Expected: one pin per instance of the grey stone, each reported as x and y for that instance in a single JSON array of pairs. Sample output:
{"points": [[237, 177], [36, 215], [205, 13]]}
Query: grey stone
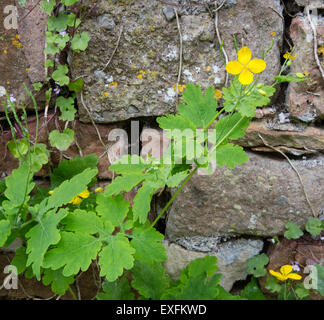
{"points": [[150, 43], [168, 12], [231, 259], [256, 198], [310, 3], [106, 21]]}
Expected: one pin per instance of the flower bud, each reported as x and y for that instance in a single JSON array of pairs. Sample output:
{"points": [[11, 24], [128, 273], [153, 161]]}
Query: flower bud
{"points": [[260, 85], [300, 75], [262, 92]]}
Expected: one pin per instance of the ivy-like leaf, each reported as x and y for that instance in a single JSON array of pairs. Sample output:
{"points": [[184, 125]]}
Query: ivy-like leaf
{"points": [[314, 226], [59, 283], [61, 141], [60, 76], [41, 236], [80, 42], [272, 285], [148, 246], [256, 265], [76, 85], [293, 231], [48, 6], [115, 257], [66, 106], [151, 281]]}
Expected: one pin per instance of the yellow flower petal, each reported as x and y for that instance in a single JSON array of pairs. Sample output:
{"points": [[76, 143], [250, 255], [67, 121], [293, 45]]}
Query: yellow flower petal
{"points": [[278, 275], [286, 269], [244, 55], [76, 200], [294, 276], [246, 77], [234, 67], [50, 192], [85, 194], [256, 65]]}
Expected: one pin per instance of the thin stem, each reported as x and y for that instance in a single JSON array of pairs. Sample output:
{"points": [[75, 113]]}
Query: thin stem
{"points": [[173, 197], [72, 293], [212, 120]]}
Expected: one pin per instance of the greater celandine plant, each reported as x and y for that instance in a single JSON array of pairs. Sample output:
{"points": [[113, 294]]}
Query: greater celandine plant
{"points": [[66, 227]]}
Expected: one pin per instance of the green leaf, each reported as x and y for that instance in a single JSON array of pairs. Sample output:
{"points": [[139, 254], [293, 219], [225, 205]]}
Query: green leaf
{"points": [[49, 63], [142, 202], [301, 292], [76, 85], [175, 122], [41, 236], [5, 231], [60, 76], [256, 265], [225, 127], [20, 260], [293, 231], [82, 221], [230, 155], [59, 283], [74, 252], [147, 243], [176, 179], [38, 157], [150, 280], [117, 290], [67, 169], [19, 185], [289, 78], [252, 291], [123, 183], [116, 257], [80, 42], [317, 276], [66, 106], [58, 23], [68, 190], [129, 164], [198, 288], [314, 226], [48, 6], [18, 148], [272, 285], [112, 209], [61, 141], [69, 2], [201, 266]]}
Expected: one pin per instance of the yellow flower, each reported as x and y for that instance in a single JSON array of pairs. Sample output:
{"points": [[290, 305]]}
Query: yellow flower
{"points": [[106, 94], [27, 69], [245, 67], [5, 51], [273, 34], [113, 84], [98, 190], [320, 50], [140, 76], [85, 194], [180, 87], [285, 273], [50, 192], [306, 73], [217, 94], [17, 36], [288, 55], [76, 200]]}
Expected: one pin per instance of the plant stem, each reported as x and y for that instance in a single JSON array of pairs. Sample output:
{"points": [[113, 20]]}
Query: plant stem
{"points": [[173, 197], [72, 293], [212, 120]]}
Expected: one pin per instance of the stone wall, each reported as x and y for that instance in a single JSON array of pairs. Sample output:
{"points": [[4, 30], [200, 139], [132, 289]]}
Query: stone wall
{"points": [[141, 41]]}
